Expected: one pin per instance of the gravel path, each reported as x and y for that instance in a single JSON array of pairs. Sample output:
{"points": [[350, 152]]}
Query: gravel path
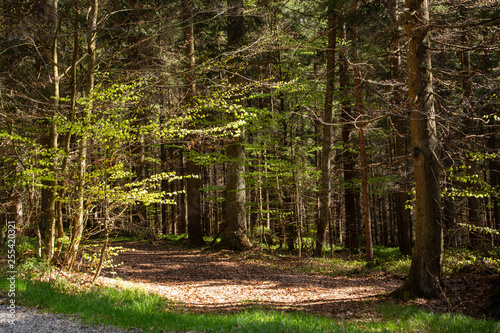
{"points": [[29, 320]]}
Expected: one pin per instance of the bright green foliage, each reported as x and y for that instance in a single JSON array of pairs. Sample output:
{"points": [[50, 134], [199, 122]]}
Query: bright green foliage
{"points": [[92, 255], [471, 185]]}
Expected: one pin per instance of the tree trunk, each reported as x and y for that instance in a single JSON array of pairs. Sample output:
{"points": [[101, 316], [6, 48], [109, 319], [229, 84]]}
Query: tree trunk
{"points": [[424, 278], [78, 221], [194, 226], [139, 215], [326, 153], [234, 235], [67, 141], [49, 191]]}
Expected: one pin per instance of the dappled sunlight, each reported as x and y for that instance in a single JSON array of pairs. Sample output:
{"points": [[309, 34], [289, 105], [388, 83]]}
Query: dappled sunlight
{"points": [[206, 281]]}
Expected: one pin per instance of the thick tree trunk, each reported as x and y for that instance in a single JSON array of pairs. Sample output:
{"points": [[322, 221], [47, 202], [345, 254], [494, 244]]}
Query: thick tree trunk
{"points": [[424, 278], [326, 153], [234, 235]]}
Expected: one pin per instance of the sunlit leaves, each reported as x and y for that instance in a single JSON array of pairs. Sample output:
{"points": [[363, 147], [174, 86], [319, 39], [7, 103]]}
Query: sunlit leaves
{"points": [[467, 184]]}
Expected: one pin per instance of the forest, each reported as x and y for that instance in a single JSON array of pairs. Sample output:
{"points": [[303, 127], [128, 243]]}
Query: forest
{"points": [[314, 130]]}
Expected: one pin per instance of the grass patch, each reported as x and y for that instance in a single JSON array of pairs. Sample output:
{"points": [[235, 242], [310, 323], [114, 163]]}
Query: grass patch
{"points": [[129, 307], [395, 318]]}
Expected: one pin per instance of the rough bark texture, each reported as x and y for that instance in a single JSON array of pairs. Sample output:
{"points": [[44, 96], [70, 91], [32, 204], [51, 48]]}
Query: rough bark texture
{"points": [[234, 235], [326, 153], [424, 278]]}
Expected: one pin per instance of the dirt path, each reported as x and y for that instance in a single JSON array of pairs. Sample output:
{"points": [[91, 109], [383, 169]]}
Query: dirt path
{"points": [[218, 282]]}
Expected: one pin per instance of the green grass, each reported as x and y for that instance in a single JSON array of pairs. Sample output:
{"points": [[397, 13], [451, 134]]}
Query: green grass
{"points": [[135, 308], [152, 313], [413, 319]]}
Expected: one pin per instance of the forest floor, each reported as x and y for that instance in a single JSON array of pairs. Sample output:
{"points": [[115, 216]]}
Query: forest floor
{"points": [[222, 282]]}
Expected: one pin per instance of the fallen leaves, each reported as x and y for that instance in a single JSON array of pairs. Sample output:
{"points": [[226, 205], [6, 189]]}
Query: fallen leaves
{"points": [[214, 282], [218, 282]]}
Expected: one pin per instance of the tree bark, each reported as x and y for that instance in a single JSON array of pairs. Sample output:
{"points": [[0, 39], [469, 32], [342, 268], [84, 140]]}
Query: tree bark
{"points": [[234, 235], [424, 278], [194, 226], [49, 192]]}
